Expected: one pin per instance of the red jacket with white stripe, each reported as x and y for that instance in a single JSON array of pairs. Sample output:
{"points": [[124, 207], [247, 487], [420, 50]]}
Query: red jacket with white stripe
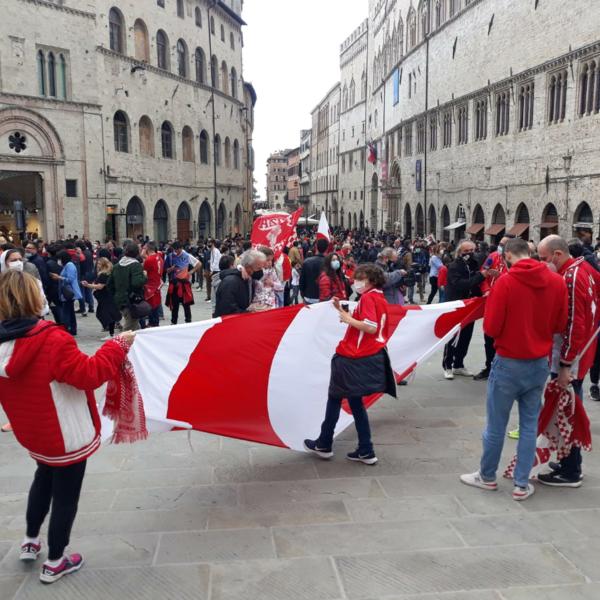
{"points": [[47, 391]]}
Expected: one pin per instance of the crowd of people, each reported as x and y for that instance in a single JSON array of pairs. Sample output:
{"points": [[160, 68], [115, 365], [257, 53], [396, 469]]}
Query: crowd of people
{"points": [[540, 320]]}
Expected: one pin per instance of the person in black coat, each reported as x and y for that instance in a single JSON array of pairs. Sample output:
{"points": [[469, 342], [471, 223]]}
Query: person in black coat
{"points": [[235, 292], [311, 271], [464, 281]]}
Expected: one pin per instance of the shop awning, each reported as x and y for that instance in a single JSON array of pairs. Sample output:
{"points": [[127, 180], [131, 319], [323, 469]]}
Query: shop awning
{"points": [[495, 229], [548, 225], [456, 225], [518, 229], [475, 228]]}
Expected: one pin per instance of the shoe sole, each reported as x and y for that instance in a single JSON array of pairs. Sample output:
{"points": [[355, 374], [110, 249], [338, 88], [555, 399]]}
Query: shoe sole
{"points": [[47, 579], [365, 461], [323, 455], [478, 486], [523, 497], [570, 484], [28, 557]]}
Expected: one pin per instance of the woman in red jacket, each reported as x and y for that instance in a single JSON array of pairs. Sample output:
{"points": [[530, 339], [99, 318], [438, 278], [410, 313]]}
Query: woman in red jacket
{"points": [[47, 390], [331, 281]]}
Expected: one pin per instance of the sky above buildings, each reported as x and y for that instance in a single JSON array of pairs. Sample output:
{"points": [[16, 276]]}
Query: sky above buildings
{"points": [[291, 56]]}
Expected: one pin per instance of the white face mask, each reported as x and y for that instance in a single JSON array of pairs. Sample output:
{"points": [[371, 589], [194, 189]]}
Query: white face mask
{"points": [[359, 286], [16, 265]]}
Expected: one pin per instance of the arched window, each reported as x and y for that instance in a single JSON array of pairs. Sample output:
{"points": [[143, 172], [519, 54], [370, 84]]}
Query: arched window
{"points": [[227, 153], [423, 19], [352, 93], [200, 61], [203, 147], [345, 98], [187, 142], [184, 216], [232, 40], [439, 13], [146, 132], [453, 7], [234, 82], [584, 214], [411, 25], [182, 58], [217, 150], [134, 216], [198, 16], [121, 132], [526, 97], [62, 76], [212, 25], [166, 136], [589, 89], [363, 86], [204, 219], [41, 72], [161, 221], [116, 30], [51, 75], [236, 154], [222, 33], [180, 9], [214, 72], [162, 50], [225, 77], [142, 46]]}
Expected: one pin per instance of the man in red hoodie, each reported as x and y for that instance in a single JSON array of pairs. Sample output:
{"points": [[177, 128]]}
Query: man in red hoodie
{"points": [[569, 363], [525, 309]]}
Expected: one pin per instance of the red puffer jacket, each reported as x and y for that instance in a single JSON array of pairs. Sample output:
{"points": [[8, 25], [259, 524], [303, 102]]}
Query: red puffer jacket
{"points": [[47, 391], [328, 288]]}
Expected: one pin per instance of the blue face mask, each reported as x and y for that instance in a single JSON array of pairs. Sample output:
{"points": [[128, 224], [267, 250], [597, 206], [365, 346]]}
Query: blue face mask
{"points": [[335, 265]]}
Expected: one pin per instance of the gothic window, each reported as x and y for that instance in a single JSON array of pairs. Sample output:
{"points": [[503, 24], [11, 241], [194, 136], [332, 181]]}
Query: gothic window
{"points": [[589, 88], [160, 3], [227, 153], [214, 72], [453, 7], [481, 115], [187, 143], [439, 13], [433, 135], [51, 75], [142, 46], [41, 71], [526, 98], [447, 131], [146, 132], [503, 113], [180, 9], [232, 40], [212, 25], [182, 58], [62, 76], [222, 33], [225, 77], [204, 147], [408, 139], [423, 19], [345, 98], [363, 86], [557, 97], [121, 132], [236, 154], [411, 24], [234, 82], [162, 50], [463, 124], [166, 134], [217, 150], [200, 61], [420, 137], [198, 16], [116, 30]]}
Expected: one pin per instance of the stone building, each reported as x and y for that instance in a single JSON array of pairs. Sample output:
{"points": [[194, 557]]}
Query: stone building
{"points": [[277, 179], [484, 115], [293, 178], [120, 119], [305, 144], [324, 154]]}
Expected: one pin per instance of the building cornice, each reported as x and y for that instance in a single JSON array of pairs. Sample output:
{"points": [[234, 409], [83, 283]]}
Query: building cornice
{"points": [[152, 69], [45, 102], [61, 7]]}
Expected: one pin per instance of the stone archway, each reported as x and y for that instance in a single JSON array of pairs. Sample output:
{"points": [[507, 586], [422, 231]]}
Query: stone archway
{"points": [[161, 221], [33, 159], [134, 218], [205, 220]]}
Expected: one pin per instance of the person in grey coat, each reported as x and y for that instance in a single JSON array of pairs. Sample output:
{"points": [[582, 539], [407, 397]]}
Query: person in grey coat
{"points": [[393, 279]]}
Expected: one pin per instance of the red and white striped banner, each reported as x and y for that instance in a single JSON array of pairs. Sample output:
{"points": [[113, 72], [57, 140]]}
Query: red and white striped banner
{"points": [[264, 377]]}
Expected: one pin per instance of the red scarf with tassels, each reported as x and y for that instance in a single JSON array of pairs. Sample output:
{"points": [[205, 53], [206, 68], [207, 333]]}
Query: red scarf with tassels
{"points": [[124, 404]]}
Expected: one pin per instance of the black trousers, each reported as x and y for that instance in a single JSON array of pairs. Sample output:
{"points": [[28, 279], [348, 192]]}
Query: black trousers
{"points": [[595, 370], [433, 281], [187, 309], [454, 356], [60, 486], [490, 351]]}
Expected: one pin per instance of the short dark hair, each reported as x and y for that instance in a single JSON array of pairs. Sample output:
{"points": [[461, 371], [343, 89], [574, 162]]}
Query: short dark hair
{"points": [[176, 245], [372, 273], [225, 262], [518, 247], [151, 246], [64, 257], [322, 245], [576, 248], [246, 246], [132, 250]]}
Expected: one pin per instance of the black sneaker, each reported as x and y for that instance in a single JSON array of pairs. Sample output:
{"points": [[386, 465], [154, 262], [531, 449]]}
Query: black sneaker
{"points": [[595, 392], [311, 446], [556, 479], [367, 459], [482, 375], [557, 468], [91, 311]]}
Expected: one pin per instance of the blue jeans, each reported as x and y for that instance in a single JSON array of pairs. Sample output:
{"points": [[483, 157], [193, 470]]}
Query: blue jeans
{"points": [[511, 379], [361, 421]]}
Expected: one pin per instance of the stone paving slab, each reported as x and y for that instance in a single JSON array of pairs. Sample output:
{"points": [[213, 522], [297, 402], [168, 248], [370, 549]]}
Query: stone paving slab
{"points": [[571, 592], [9, 585]]}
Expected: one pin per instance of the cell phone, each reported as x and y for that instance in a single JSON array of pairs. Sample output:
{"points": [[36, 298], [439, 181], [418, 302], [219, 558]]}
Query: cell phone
{"points": [[345, 306], [488, 263]]}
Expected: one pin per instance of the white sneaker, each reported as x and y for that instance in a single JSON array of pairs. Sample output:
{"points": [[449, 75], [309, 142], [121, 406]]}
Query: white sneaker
{"points": [[448, 374], [462, 372], [520, 493], [474, 480]]}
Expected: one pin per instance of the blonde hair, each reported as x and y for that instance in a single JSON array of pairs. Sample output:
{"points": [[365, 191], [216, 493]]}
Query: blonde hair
{"points": [[103, 265], [20, 296]]}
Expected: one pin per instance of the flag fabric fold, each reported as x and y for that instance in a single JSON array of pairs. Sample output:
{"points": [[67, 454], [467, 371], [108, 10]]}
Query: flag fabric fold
{"points": [[276, 230]]}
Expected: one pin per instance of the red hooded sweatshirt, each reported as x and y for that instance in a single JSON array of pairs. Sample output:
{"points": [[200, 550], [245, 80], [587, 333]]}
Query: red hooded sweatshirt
{"points": [[525, 308]]}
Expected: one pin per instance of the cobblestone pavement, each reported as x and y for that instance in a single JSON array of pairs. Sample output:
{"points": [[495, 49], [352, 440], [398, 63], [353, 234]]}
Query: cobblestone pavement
{"points": [[190, 515]]}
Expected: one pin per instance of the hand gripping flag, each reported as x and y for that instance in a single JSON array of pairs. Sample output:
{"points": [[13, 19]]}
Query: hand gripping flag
{"points": [[275, 231], [264, 377]]}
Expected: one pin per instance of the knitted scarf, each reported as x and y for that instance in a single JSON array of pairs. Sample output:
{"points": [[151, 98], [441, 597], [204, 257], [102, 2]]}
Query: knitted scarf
{"points": [[124, 404]]}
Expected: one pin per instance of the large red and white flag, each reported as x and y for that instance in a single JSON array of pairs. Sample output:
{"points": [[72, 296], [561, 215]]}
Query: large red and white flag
{"points": [[264, 377], [323, 231], [276, 230]]}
